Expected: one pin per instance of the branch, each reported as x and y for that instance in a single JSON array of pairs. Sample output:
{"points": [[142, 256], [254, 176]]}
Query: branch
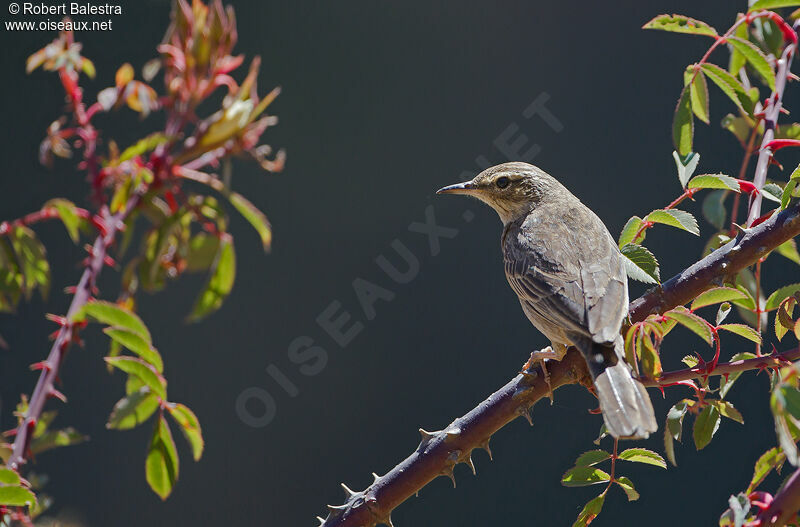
{"points": [[45, 386], [785, 505], [439, 452]]}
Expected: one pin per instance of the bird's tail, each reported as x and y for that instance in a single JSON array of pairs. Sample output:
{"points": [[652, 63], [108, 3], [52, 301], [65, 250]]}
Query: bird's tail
{"points": [[626, 407]]}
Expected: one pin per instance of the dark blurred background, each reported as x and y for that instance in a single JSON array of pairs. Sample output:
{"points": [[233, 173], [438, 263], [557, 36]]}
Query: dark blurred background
{"points": [[383, 103]]}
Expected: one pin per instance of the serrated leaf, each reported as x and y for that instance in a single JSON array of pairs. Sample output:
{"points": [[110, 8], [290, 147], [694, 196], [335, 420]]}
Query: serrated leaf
{"points": [[680, 24], [714, 210], [136, 343], [717, 295], [256, 218], [689, 320], [674, 218], [68, 214], [743, 331], [698, 93], [219, 284], [32, 259], [772, 4], [190, 427], [640, 264], [9, 477], [770, 460], [630, 229], [590, 511], [690, 361], [772, 192], [715, 181], [775, 299], [789, 250], [642, 455], [705, 426], [592, 457], [146, 144], [16, 497], [627, 486], [115, 315], [726, 409], [686, 166], [133, 410], [583, 476], [162, 466], [56, 438], [726, 383], [683, 124], [755, 57], [789, 192], [730, 86], [144, 371]]}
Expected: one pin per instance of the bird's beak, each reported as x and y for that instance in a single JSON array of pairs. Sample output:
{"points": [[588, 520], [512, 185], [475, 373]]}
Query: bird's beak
{"points": [[459, 188]]}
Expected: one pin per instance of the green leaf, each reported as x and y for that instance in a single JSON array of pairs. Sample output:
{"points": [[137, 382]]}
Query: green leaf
{"points": [[770, 460], [143, 145], [743, 331], [592, 457], [778, 296], [254, 216], [219, 283], [190, 427], [680, 24], [683, 124], [143, 371], [16, 497], [627, 486], [640, 264], [772, 192], [32, 260], [68, 213], [689, 320], [133, 410], [714, 210], [698, 93], [690, 360], [723, 312], [737, 60], [651, 361], [115, 315], [629, 231], [729, 86], [686, 166], [705, 426], [740, 127], [772, 4], [726, 383], [789, 250], [162, 466], [136, 343], [675, 218], [590, 511], [642, 455], [57, 438], [583, 476], [716, 295], [726, 409], [789, 191], [203, 249], [9, 477], [715, 181], [756, 58]]}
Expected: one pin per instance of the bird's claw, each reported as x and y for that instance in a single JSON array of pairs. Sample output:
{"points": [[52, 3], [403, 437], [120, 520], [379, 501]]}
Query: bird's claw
{"points": [[541, 357]]}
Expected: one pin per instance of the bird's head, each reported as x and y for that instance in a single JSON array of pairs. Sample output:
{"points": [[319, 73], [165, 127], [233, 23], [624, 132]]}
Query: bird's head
{"points": [[511, 189]]}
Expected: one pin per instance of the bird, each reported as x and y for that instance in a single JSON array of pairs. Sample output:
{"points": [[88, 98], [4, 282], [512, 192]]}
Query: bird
{"points": [[569, 276]]}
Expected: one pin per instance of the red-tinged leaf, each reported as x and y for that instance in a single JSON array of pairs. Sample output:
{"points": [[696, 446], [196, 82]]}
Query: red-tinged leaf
{"points": [[124, 75], [627, 485], [689, 320], [16, 497], [162, 466], [190, 427], [726, 409], [755, 57], [590, 511], [680, 24], [144, 371], [698, 92], [705, 426], [136, 343], [743, 331], [777, 144], [114, 315], [770, 460], [730, 86], [642, 455]]}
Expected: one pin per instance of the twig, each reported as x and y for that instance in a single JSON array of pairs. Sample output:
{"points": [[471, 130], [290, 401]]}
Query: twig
{"points": [[439, 452]]}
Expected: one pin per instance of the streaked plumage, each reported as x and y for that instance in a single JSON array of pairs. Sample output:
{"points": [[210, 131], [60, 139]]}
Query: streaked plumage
{"points": [[568, 274]]}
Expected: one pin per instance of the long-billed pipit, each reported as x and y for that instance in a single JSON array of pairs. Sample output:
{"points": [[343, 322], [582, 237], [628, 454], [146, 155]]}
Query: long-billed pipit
{"points": [[569, 276]]}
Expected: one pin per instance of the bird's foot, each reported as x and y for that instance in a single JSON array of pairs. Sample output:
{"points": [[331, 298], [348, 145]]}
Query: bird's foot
{"points": [[541, 357]]}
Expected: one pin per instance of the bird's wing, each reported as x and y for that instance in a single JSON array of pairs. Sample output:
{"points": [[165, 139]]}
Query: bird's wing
{"points": [[566, 267]]}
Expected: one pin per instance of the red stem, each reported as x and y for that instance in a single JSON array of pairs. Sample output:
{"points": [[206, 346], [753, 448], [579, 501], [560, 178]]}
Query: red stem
{"points": [[46, 213]]}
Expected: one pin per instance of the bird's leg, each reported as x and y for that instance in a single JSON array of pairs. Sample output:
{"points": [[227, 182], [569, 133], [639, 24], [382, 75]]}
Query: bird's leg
{"points": [[555, 352]]}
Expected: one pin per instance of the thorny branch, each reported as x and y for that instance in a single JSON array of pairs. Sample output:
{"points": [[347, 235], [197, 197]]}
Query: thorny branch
{"points": [[439, 452]]}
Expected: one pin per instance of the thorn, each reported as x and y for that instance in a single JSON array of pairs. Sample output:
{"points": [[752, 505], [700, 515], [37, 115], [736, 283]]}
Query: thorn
{"points": [[792, 76], [450, 474], [109, 261], [41, 365], [470, 464], [485, 445], [740, 232], [526, 413], [375, 478], [349, 493], [452, 433], [57, 395], [337, 510], [427, 437], [70, 290], [387, 521], [61, 321], [321, 521]]}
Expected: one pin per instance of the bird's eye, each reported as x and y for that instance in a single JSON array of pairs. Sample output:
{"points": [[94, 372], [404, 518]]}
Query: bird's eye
{"points": [[502, 182]]}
